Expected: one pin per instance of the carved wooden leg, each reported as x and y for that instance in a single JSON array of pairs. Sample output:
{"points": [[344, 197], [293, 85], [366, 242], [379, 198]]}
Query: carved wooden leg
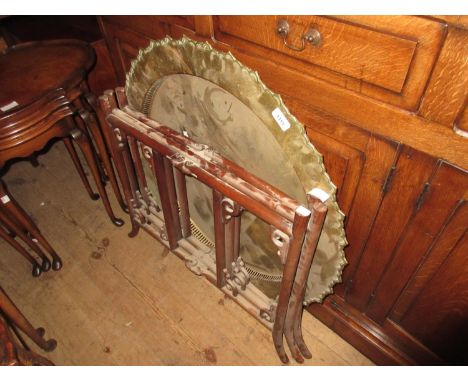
{"points": [[12, 225], [299, 228], [36, 271], [81, 137], [220, 245], [17, 318], [79, 168], [162, 169]]}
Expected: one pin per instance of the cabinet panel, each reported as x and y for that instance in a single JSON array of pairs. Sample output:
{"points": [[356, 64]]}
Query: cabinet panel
{"points": [[439, 315], [438, 199], [448, 88], [444, 244]]}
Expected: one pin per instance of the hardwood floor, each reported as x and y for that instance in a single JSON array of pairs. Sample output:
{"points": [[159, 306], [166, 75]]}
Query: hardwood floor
{"points": [[122, 301]]}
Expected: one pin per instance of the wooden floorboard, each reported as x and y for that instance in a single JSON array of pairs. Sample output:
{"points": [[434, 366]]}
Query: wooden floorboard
{"points": [[122, 301]]}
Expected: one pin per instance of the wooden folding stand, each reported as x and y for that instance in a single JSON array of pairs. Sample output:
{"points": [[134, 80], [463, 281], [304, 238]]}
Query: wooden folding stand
{"points": [[295, 229]]}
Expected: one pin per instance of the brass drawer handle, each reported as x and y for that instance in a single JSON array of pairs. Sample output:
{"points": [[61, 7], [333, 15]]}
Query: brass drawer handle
{"points": [[312, 36]]}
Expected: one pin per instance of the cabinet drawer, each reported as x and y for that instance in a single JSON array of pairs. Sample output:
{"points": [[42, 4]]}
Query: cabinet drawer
{"points": [[390, 61]]}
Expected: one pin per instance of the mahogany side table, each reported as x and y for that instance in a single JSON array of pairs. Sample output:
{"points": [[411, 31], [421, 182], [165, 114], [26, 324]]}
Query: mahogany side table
{"points": [[44, 96]]}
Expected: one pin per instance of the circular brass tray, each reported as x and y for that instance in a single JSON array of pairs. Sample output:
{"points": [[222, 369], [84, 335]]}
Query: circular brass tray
{"points": [[214, 99]]}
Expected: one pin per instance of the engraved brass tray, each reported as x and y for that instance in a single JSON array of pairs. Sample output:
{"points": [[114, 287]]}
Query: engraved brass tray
{"points": [[214, 99]]}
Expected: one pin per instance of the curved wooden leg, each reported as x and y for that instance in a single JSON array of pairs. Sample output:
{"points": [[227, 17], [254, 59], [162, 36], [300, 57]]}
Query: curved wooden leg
{"points": [[82, 139], [13, 225], [36, 271], [99, 131], [79, 168], [14, 315], [298, 334], [14, 209], [101, 146], [118, 152]]}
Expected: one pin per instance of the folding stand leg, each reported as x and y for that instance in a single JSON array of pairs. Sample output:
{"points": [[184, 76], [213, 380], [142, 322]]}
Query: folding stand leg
{"points": [[293, 332], [163, 172], [301, 219]]}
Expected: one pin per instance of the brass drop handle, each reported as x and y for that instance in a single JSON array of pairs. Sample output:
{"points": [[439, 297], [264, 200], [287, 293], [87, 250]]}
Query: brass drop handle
{"points": [[312, 36]]}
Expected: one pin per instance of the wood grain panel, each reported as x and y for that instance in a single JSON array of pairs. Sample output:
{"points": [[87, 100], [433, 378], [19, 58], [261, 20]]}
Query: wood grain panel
{"points": [[445, 301], [460, 21], [413, 169], [372, 56], [448, 87], [204, 25], [440, 249], [445, 191]]}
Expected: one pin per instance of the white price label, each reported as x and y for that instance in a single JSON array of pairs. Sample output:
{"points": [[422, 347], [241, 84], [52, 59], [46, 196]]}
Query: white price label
{"points": [[281, 119], [5, 199], [9, 106], [319, 194]]}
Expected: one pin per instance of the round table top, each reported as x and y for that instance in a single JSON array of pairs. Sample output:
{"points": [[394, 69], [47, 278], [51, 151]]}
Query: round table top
{"points": [[29, 71]]}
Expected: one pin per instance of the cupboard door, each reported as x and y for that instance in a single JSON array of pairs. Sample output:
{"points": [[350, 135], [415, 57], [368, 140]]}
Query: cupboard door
{"points": [[438, 200], [413, 169], [438, 316]]}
